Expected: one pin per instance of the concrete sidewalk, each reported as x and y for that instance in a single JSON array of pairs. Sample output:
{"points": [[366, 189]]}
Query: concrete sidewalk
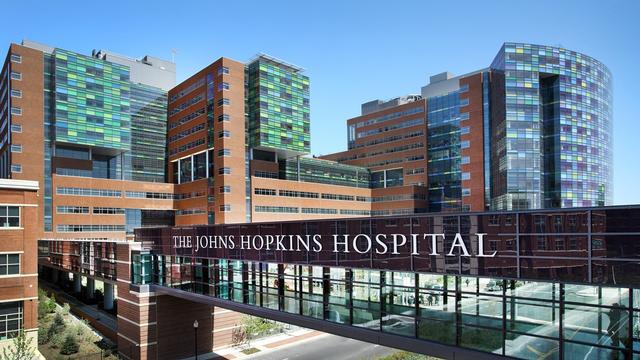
{"points": [[269, 343]]}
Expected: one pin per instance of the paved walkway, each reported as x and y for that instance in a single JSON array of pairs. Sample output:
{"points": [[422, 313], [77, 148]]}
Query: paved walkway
{"points": [[268, 343]]}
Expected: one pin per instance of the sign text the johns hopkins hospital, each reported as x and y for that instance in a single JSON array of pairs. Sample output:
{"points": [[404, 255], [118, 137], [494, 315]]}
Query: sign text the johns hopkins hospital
{"points": [[395, 244]]}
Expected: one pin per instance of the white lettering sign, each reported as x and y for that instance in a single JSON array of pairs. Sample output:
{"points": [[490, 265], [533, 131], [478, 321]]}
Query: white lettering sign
{"points": [[381, 244]]}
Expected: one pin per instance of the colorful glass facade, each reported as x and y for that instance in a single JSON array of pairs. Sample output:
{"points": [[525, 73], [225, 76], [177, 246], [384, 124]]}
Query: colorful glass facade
{"points": [[92, 101], [278, 106], [148, 130], [443, 150], [552, 138]]}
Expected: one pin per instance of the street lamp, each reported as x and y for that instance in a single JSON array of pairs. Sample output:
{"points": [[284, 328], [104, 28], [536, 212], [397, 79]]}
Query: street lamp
{"points": [[195, 328]]}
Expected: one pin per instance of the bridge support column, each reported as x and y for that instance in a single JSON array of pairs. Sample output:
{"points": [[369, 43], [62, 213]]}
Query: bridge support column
{"points": [[91, 288], [77, 283], [108, 296]]}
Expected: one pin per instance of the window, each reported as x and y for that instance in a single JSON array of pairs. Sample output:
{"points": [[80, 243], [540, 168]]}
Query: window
{"points": [[338, 197], [16, 168], [542, 243], [148, 195], [10, 319], [464, 144], [9, 216], [465, 160], [16, 128], [464, 130], [224, 134], [464, 116], [16, 75], [464, 88], [277, 209], [302, 194], [16, 148], [224, 189], [270, 192], [223, 117], [466, 176], [224, 102], [225, 207], [16, 111], [85, 228], [464, 102], [16, 58], [224, 171], [223, 70], [90, 192], [108, 211], [9, 265], [223, 86], [16, 93], [324, 211], [466, 192], [72, 209], [224, 152]]}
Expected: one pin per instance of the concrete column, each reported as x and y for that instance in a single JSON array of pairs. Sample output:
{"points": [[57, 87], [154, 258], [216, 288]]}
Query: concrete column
{"points": [[54, 276], [77, 283], [91, 287], [108, 296]]}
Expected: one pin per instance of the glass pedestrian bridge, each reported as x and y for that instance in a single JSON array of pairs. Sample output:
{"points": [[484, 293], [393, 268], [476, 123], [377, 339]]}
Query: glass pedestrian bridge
{"points": [[562, 284]]}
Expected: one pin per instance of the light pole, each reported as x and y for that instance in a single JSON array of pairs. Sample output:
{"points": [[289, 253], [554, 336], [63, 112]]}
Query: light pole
{"points": [[195, 328]]}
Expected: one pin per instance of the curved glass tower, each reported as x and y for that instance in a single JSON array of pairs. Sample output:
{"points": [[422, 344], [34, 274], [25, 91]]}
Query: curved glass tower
{"points": [[552, 129]]}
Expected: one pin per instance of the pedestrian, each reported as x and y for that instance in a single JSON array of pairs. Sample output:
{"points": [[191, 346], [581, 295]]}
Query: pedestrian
{"points": [[430, 299]]}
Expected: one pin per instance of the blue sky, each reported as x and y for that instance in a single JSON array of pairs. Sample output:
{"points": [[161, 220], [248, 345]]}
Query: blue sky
{"points": [[355, 51]]}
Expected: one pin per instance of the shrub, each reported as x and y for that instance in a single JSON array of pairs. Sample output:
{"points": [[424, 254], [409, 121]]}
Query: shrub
{"points": [[55, 340], [43, 338], [51, 304], [46, 305], [255, 327], [57, 326], [42, 295], [42, 309], [69, 346], [65, 309], [80, 329]]}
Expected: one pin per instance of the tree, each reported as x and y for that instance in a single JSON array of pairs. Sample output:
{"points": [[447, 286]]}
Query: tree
{"points": [[56, 327], [21, 349], [70, 345]]}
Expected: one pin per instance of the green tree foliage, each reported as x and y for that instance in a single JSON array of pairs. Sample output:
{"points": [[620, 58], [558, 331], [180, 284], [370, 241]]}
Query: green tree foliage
{"points": [[46, 305], [69, 346], [20, 349], [57, 326], [255, 327], [43, 338]]}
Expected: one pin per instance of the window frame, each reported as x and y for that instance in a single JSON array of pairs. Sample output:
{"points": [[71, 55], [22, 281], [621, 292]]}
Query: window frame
{"points": [[6, 265], [4, 219]]}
